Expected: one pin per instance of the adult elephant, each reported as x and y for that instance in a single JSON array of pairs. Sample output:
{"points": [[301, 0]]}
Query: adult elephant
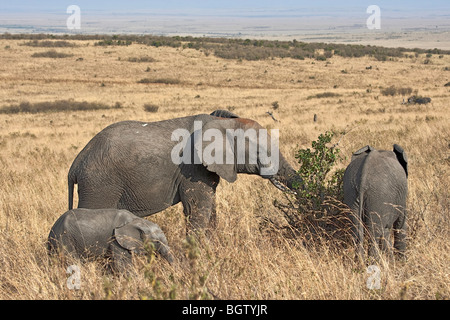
{"points": [[146, 167], [375, 189]]}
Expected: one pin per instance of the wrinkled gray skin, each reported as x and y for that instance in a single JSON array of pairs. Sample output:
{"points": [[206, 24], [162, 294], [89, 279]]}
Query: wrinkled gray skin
{"points": [[111, 233], [375, 189], [128, 166]]}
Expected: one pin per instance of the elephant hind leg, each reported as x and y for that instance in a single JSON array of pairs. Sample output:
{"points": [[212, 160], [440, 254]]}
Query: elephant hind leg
{"points": [[376, 235], [358, 236], [380, 242], [356, 214], [385, 241], [400, 236]]}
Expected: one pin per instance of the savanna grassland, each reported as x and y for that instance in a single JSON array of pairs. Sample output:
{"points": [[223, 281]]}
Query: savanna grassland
{"points": [[247, 257]]}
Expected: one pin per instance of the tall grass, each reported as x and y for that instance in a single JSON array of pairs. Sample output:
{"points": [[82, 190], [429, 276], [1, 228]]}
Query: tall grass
{"points": [[254, 253]]}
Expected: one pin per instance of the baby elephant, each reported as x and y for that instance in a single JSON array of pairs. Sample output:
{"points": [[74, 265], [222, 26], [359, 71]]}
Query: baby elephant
{"points": [[110, 233], [375, 189]]}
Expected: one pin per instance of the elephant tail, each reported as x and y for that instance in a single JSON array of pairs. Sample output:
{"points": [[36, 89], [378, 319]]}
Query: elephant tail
{"points": [[361, 216], [360, 225], [71, 183]]}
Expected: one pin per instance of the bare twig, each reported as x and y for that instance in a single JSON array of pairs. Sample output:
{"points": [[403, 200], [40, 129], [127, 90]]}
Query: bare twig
{"points": [[342, 136], [271, 114]]}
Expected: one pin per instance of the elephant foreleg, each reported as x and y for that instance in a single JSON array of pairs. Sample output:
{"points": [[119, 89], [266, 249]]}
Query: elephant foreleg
{"points": [[120, 258], [199, 205], [200, 214]]}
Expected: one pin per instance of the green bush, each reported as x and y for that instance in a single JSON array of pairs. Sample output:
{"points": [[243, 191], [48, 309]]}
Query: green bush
{"points": [[316, 211], [321, 58], [315, 165]]}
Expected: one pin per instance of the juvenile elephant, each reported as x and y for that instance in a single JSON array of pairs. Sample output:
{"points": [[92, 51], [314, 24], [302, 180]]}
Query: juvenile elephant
{"points": [[375, 189], [109, 233], [146, 167]]}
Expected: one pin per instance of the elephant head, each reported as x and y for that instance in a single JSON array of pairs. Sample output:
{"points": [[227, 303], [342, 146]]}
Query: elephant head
{"points": [[253, 149], [230, 146], [133, 236]]}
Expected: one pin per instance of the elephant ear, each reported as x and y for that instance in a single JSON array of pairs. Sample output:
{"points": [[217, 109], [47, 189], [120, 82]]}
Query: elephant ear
{"points": [[213, 149], [401, 157], [131, 236], [224, 114], [366, 149]]}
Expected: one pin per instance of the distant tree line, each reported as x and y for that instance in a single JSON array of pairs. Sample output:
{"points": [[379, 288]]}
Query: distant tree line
{"points": [[245, 49]]}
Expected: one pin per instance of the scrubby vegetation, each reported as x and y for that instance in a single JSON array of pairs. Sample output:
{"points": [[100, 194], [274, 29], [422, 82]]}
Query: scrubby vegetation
{"points": [[149, 107], [51, 54], [316, 211], [160, 80], [141, 59], [324, 95], [50, 44], [245, 49], [392, 91], [55, 106]]}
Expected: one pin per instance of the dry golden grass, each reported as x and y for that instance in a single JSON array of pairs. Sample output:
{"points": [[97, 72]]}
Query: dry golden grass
{"points": [[245, 259]]}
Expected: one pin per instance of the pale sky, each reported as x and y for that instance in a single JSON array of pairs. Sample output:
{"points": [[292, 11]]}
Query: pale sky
{"points": [[212, 7], [222, 18]]}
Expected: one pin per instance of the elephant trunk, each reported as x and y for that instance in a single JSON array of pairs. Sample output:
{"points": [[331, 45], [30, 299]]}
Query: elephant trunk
{"points": [[287, 178]]}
